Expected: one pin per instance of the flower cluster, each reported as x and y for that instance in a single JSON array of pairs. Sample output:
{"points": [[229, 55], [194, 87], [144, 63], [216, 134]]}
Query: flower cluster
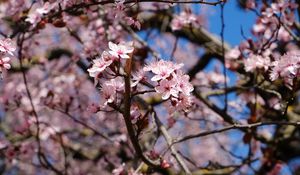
{"points": [[172, 83], [105, 63], [271, 18], [185, 18], [287, 67], [116, 52], [256, 62], [6, 47], [110, 89], [120, 50], [37, 15], [100, 64]]}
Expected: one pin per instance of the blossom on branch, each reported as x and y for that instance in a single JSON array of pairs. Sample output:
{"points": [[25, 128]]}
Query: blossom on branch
{"points": [[36, 16], [4, 63], [287, 67], [167, 88], [6, 46], [100, 64], [172, 83], [256, 62], [120, 50], [185, 18], [162, 69]]}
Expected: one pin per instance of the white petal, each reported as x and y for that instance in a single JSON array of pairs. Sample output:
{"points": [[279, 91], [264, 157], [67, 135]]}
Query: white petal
{"points": [[112, 46], [6, 59]]}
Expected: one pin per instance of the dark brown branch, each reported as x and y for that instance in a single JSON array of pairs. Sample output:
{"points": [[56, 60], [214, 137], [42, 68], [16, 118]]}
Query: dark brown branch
{"points": [[213, 107], [199, 36], [127, 117], [235, 126], [201, 64]]}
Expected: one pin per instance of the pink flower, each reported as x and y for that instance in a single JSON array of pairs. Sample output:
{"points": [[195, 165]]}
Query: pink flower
{"points": [[232, 57], [210, 78], [4, 63], [108, 93], [167, 88], [100, 64], [162, 69], [138, 77], [287, 67], [120, 50], [184, 102], [33, 18], [183, 19], [117, 83], [183, 84], [6, 46], [36, 16], [283, 35], [256, 61], [181, 103], [110, 88], [45, 9], [258, 28]]}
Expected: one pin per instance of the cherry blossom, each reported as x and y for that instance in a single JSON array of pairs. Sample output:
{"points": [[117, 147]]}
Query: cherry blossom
{"points": [[287, 67], [185, 18], [99, 65], [56, 121], [108, 93], [117, 83], [36, 16], [6, 46], [167, 88], [162, 69], [4, 63], [182, 103], [182, 83], [120, 50], [138, 77], [256, 61]]}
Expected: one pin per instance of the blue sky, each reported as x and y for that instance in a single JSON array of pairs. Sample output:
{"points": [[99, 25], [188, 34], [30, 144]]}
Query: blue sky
{"points": [[235, 19]]}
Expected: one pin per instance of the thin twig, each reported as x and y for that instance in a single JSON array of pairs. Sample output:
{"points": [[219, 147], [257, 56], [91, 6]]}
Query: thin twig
{"points": [[169, 141], [223, 55], [85, 125], [235, 126], [41, 156]]}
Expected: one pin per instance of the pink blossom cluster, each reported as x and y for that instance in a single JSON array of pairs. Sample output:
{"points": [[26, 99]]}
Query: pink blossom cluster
{"points": [[185, 18], [6, 48], [35, 16], [111, 88], [116, 52], [210, 78], [107, 67], [118, 14], [254, 62], [172, 83], [287, 68], [252, 55], [272, 17]]}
